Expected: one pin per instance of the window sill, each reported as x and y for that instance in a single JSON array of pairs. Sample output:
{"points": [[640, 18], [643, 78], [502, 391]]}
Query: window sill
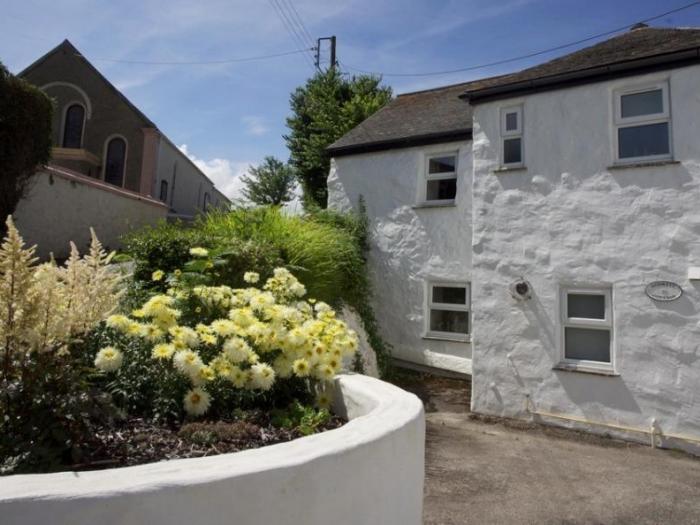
{"points": [[506, 169], [586, 369], [437, 204], [455, 339], [648, 164]]}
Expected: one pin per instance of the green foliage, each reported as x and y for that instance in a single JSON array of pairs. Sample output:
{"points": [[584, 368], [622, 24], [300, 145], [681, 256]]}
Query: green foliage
{"points": [[323, 110], [25, 138], [302, 418], [270, 183]]}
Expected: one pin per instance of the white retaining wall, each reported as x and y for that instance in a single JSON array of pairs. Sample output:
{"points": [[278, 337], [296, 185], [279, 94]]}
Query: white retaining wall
{"points": [[370, 471], [569, 218], [410, 244]]}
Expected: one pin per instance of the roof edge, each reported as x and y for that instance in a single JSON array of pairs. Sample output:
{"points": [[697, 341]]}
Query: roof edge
{"points": [[405, 142], [613, 70]]}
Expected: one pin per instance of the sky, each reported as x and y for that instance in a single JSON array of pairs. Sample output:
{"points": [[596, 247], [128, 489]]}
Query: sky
{"points": [[227, 116]]}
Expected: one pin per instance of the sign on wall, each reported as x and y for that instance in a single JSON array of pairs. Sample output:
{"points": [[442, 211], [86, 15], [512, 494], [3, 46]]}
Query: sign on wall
{"points": [[664, 291]]}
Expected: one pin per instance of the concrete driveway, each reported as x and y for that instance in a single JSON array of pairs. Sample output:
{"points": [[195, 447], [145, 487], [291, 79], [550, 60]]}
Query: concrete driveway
{"points": [[484, 471]]}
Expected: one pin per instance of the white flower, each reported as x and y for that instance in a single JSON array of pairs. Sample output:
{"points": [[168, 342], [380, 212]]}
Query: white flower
{"points": [[197, 401], [108, 359], [199, 252], [187, 362], [262, 376], [251, 277]]}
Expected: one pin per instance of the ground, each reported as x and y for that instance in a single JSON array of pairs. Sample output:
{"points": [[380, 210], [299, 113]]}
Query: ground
{"points": [[486, 471]]}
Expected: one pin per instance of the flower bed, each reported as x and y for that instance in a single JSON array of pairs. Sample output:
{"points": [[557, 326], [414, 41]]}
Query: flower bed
{"points": [[368, 471]]}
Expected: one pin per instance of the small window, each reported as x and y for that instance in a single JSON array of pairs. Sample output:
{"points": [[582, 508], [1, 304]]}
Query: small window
{"points": [[73, 127], [441, 178], [587, 326], [643, 124], [164, 190], [447, 315], [206, 201], [115, 161], [512, 136]]}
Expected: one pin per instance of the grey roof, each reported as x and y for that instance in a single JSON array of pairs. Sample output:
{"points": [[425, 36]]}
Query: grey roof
{"points": [[438, 115], [435, 114]]}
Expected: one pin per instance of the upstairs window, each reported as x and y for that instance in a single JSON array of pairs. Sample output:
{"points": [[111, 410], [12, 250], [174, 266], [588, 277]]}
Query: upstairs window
{"points": [[441, 178], [587, 326], [447, 315], [512, 137], [164, 191], [115, 161], [643, 124], [73, 127]]}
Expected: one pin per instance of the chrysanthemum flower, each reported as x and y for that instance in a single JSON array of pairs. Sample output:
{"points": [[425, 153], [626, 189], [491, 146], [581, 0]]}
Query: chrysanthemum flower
{"points": [[262, 376], [325, 372], [163, 351], [323, 400], [187, 362], [236, 350], [197, 401], [199, 252], [301, 367], [251, 277], [118, 322], [157, 275], [224, 327], [108, 359]]}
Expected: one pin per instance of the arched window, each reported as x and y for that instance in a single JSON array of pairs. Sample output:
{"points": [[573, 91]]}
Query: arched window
{"points": [[73, 126], [164, 190], [115, 161]]}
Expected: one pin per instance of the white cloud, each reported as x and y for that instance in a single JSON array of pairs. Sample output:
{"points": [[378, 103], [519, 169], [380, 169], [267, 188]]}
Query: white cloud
{"points": [[226, 174], [255, 126]]}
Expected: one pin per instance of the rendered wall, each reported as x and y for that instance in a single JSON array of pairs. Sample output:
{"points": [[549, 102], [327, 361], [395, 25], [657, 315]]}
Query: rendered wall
{"points": [[570, 219], [61, 207], [409, 244], [186, 183], [370, 471]]}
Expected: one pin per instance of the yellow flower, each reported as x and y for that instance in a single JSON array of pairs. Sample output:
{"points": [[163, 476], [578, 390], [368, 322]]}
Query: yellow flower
{"points": [[208, 339], [224, 327], [108, 359], [251, 277], [239, 377], [188, 362], [323, 400], [325, 372], [163, 351], [301, 367], [262, 376], [178, 273], [138, 313], [157, 275], [119, 322], [199, 252], [197, 401]]}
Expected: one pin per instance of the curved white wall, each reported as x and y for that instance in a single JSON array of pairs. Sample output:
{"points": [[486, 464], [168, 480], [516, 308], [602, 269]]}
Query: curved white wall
{"points": [[409, 244], [370, 471], [571, 219]]}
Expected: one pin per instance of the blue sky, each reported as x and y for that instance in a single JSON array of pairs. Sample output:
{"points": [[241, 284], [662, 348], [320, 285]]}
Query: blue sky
{"points": [[231, 115]]}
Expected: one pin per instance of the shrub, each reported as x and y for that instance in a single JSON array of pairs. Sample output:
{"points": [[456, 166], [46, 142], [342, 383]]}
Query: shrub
{"points": [[208, 342], [47, 401]]}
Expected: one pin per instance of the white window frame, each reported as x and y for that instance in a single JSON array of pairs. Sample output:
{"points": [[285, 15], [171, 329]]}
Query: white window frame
{"points": [[430, 305], [594, 324], [439, 176], [628, 122], [512, 134]]}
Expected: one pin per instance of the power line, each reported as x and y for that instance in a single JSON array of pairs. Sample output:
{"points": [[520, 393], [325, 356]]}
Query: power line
{"points": [[198, 62], [529, 55], [300, 21], [289, 26]]}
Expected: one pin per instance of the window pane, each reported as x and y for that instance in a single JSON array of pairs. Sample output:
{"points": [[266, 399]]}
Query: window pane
{"points": [[586, 306], [588, 344], [448, 321], [444, 189], [511, 121], [114, 163], [73, 130], [647, 103], [163, 190], [449, 295], [643, 141], [512, 151], [442, 165]]}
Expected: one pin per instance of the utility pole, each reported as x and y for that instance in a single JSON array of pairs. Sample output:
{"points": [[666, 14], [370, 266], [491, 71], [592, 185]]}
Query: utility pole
{"points": [[333, 62]]}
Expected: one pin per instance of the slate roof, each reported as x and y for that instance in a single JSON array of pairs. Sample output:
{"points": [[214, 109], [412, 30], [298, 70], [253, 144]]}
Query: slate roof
{"points": [[439, 115]]}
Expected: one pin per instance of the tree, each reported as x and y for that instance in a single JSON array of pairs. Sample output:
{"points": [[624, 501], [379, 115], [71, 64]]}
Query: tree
{"points": [[271, 182], [323, 110], [25, 138]]}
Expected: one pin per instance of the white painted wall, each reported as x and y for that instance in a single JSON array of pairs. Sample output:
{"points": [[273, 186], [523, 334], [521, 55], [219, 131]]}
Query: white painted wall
{"points": [[186, 183], [409, 244], [370, 471], [62, 206], [569, 219]]}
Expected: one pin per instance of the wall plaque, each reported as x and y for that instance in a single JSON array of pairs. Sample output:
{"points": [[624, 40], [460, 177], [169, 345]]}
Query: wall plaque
{"points": [[663, 291]]}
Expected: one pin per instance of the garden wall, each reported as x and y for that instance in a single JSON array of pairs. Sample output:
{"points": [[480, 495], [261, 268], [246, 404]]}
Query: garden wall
{"points": [[370, 471]]}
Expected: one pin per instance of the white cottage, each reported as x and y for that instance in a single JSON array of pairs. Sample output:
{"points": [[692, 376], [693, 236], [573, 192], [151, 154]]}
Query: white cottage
{"points": [[544, 236]]}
